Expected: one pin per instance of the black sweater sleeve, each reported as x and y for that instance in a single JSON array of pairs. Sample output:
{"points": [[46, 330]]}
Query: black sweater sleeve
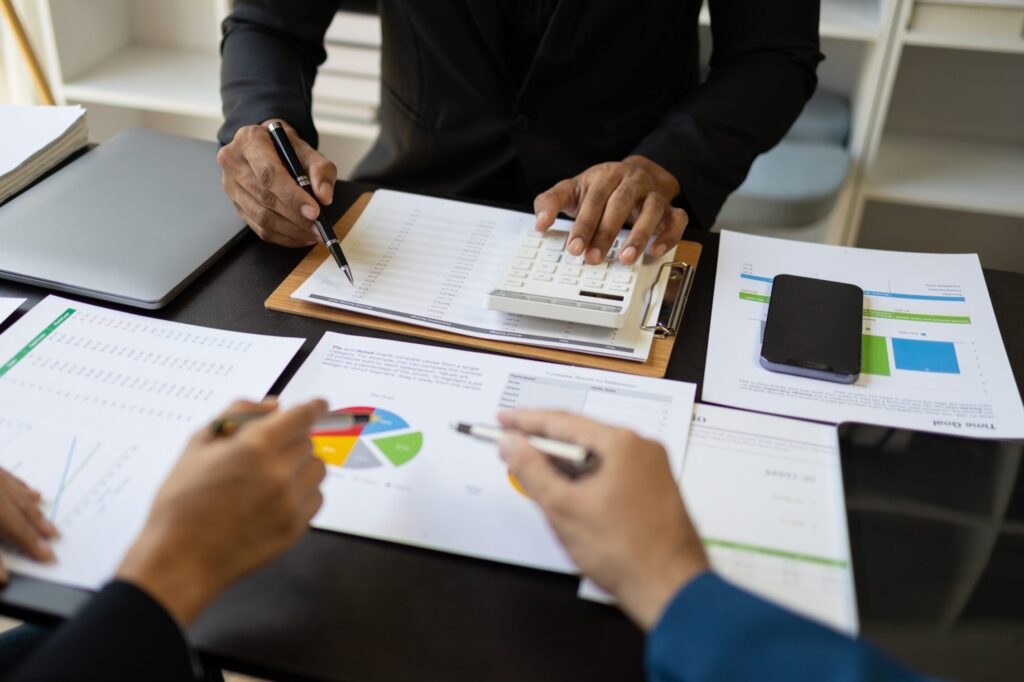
{"points": [[763, 65], [269, 56], [120, 634]]}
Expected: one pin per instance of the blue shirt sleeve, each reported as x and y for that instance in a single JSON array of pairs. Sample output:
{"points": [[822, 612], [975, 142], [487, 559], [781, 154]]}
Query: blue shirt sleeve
{"points": [[712, 630]]}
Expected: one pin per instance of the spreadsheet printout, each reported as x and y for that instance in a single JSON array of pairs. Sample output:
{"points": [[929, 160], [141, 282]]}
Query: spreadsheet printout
{"points": [[430, 262], [95, 407], [765, 494]]}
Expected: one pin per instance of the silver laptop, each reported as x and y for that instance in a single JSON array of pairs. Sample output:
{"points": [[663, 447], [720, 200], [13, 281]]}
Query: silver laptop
{"points": [[132, 221]]}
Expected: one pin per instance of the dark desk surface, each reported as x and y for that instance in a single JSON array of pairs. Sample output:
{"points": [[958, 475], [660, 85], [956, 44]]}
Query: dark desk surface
{"points": [[343, 607]]}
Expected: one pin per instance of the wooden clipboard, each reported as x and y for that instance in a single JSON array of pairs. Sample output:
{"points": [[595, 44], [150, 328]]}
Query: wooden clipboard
{"points": [[281, 300]]}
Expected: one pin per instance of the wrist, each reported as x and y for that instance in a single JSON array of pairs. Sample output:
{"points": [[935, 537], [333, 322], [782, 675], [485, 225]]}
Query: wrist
{"points": [[645, 597], [171, 574], [664, 180]]}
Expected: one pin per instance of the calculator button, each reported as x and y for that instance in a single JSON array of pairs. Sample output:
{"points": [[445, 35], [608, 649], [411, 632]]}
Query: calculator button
{"points": [[603, 265], [616, 265], [531, 242], [595, 275], [544, 267], [550, 256], [624, 277], [567, 280], [573, 260], [513, 282], [593, 285], [541, 277], [555, 243], [572, 270], [520, 263], [614, 286], [527, 253], [522, 274]]}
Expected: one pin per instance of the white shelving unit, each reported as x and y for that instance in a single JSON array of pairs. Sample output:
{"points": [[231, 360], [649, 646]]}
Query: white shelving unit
{"points": [[946, 154], [854, 39], [154, 63]]}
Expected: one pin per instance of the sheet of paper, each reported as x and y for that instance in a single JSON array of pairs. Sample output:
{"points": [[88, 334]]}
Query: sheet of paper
{"points": [[933, 358], [96, 406], [8, 306], [409, 478], [430, 262], [766, 496]]}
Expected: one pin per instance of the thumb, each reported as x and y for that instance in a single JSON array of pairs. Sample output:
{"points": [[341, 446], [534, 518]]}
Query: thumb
{"points": [[541, 481], [558, 199]]}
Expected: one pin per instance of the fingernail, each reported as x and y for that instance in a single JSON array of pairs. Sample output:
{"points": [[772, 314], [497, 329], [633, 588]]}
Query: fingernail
{"points": [[543, 218], [659, 250], [308, 212], [508, 443], [594, 255], [45, 551], [629, 254], [51, 530], [576, 246], [326, 192]]}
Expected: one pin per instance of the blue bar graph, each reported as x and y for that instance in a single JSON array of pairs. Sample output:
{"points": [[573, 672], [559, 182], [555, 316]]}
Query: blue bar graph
{"points": [[925, 356]]}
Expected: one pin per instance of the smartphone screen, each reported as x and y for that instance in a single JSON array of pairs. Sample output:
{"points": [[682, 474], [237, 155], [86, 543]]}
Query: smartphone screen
{"points": [[813, 329]]}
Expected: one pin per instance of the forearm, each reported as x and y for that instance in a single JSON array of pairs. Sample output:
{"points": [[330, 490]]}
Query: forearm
{"points": [[269, 57], [762, 73], [122, 633], [714, 631]]}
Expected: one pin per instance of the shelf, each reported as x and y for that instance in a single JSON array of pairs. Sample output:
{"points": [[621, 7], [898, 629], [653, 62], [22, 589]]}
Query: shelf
{"points": [[958, 41], [983, 177], [174, 81], [840, 19]]}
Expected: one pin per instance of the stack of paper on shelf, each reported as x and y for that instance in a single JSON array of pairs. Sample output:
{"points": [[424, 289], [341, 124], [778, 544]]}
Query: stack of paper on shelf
{"points": [[37, 139], [348, 84]]}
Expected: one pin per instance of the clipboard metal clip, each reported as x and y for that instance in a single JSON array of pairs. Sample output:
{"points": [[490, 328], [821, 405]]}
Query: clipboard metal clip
{"points": [[677, 281]]}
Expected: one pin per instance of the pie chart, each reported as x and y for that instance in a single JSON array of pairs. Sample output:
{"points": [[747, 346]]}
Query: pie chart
{"points": [[386, 440]]}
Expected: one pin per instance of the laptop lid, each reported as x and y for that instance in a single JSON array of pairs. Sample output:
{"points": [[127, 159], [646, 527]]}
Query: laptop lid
{"points": [[133, 221]]}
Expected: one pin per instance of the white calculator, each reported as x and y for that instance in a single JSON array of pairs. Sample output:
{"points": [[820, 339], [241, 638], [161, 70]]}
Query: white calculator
{"points": [[542, 279]]}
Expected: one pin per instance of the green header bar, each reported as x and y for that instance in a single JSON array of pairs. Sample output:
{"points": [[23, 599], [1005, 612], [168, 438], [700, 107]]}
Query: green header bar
{"points": [[916, 317], [40, 337], [769, 551], [880, 314]]}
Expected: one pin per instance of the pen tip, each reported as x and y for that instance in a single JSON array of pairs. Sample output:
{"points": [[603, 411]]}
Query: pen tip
{"points": [[348, 273]]}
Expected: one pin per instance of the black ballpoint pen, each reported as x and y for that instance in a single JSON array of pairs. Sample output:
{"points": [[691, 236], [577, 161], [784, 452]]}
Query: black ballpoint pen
{"points": [[291, 160]]}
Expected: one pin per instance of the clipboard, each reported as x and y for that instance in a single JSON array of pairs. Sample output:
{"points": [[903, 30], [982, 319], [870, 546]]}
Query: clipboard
{"points": [[665, 324]]}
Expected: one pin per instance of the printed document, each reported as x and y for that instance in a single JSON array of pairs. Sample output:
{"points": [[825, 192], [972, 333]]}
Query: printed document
{"points": [[96, 406], [766, 496], [932, 358], [8, 306], [430, 262], [408, 477]]}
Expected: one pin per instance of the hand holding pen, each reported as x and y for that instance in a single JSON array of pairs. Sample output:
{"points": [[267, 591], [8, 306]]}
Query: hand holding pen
{"points": [[291, 161]]}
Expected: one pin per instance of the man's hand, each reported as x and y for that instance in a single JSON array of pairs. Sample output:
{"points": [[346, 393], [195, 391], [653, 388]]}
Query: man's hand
{"points": [[230, 505], [624, 525], [21, 521], [263, 191], [604, 198]]}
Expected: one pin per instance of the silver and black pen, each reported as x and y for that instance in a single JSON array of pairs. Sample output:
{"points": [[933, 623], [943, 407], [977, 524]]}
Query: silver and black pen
{"points": [[572, 459], [291, 160]]}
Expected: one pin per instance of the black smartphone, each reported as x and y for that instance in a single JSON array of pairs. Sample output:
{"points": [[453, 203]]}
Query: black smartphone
{"points": [[813, 329]]}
